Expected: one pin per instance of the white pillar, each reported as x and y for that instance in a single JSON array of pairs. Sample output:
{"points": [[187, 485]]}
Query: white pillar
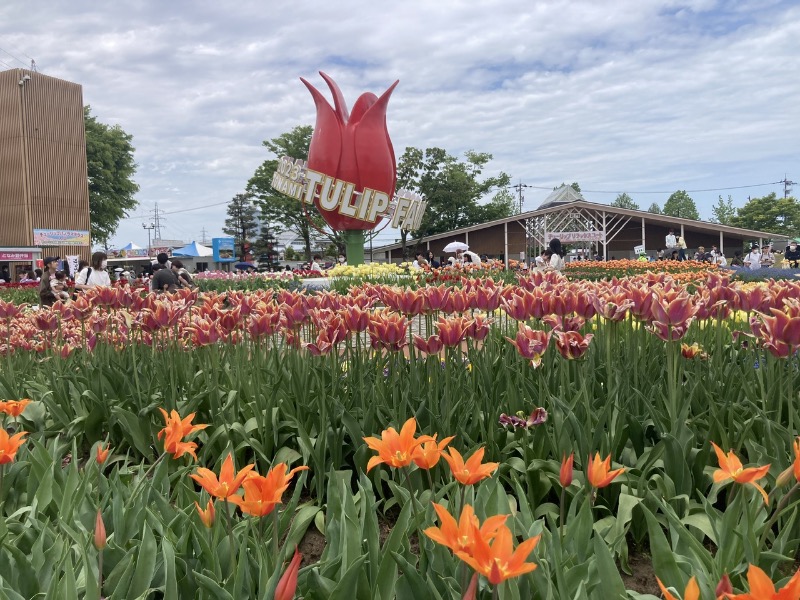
{"points": [[505, 243], [643, 242]]}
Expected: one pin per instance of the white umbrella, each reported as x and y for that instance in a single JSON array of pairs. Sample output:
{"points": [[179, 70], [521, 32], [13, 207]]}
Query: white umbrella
{"points": [[455, 247]]}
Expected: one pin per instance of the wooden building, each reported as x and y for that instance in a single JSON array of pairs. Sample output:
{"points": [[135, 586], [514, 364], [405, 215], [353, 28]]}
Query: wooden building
{"points": [[43, 177], [587, 229]]}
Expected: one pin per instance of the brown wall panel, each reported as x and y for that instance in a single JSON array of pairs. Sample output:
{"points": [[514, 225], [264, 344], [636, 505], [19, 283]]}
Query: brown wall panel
{"points": [[43, 179]]}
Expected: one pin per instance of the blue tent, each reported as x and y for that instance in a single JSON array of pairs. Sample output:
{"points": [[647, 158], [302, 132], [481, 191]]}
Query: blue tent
{"points": [[194, 249]]}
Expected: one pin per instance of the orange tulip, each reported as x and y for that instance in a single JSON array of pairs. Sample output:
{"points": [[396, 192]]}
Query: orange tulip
{"points": [[102, 453], [427, 455], [793, 470], [227, 484], [395, 449], [99, 531], [288, 582], [9, 445], [731, 468], [499, 561], [692, 591], [14, 408], [598, 472], [471, 471], [207, 516], [459, 537], [175, 431], [565, 475], [762, 588], [263, 493], [693, 351]]}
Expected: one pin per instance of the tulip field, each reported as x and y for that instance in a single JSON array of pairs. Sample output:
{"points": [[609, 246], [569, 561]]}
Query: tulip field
{"points": [[479, 434]]}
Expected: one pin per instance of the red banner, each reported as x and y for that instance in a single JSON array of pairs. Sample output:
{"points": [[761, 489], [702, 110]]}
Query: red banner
{"points": [[16, 255]]}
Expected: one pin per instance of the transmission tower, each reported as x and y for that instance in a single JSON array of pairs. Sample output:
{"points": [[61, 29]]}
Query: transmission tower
{"points": [[204, 237], [157, 221]]}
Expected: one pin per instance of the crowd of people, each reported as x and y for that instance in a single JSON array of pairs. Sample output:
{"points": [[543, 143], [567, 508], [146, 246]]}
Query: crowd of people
{"points": [[54, 284]]}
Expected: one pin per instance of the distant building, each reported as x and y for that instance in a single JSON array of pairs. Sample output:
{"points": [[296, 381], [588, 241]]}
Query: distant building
{"points": [[44, 192]]}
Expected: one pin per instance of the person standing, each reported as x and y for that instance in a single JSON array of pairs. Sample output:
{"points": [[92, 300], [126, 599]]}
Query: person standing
{"points": [[315, 268], [47, 296], [435, 264], [767, 257], [671, 242], [753, 259], [557, 258], [792, 254], [681, 248], [94, 275]]}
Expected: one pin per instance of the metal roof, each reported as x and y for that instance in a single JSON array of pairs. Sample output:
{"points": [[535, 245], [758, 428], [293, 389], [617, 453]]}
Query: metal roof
{"points": [[667, 220]]}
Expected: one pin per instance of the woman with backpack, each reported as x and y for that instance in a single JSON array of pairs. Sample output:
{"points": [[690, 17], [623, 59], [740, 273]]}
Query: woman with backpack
{"points": [[93, 275]]}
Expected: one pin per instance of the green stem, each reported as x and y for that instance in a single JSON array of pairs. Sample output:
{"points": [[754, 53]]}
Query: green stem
{"points": [[778, 510], [144, 478], [413, 497], [230, 536], [275, 532], [100, 572]]}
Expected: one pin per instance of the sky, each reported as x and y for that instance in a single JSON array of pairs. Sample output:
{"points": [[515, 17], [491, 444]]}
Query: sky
{"points": [[625, 95]]}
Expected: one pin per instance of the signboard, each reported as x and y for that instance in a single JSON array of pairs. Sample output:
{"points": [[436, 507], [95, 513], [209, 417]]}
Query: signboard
{"points": [[72, 261], [568, 237], [61, 237], [224, 250], [637, 250], [16, 255]]}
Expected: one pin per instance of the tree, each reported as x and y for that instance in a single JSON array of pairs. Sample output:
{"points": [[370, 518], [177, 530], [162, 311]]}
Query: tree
{"points": [[655, 209], [241, 222], [625, 201], [452, 189], [723, 211], [502, 205], [771, 214], [110, 168], [680, 204], [409, 168], [275, 207]]}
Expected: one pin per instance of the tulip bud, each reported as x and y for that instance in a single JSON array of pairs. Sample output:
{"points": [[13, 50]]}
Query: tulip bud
{"points": [[207, 515], [785, 477], [472, 590], [723, 587], [288, 583], [99, 531], [102, 453], [565, 475]]}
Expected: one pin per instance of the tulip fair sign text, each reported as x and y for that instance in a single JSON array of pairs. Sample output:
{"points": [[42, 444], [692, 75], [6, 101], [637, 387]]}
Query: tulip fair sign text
{"points": [[293, 178]]}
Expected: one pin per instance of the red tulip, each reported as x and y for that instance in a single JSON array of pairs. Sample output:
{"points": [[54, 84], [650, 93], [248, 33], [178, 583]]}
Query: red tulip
{"points": [[572, 344], [353, 148], [288, 582]]}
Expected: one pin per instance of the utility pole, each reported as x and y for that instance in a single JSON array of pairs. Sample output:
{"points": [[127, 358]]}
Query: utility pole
{"points": [[787, 186], [521, 198]]}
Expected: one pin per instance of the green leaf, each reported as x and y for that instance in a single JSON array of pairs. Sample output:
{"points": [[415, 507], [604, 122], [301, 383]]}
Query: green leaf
{"points": [[170, 577], [348, 584], [610, 583]]}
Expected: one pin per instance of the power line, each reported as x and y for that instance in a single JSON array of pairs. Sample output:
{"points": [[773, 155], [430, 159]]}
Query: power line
{"points": [[722, 189], [183, 210], [19, 60]]}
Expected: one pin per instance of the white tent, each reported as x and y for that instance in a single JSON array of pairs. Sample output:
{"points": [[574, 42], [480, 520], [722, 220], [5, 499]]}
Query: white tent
{"points": [[194, 249], [132, 246]]}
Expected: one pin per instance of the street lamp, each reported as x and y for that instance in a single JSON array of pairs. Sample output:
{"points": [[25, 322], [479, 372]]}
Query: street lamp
{"points": [[149, 228]]}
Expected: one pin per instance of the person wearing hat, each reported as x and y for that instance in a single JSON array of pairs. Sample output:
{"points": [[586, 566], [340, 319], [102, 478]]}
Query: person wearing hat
{"points": [[47, 296], [767, 257]]}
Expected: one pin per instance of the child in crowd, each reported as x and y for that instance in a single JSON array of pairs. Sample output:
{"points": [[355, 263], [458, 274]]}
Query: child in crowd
{"points": [[58, 283]]}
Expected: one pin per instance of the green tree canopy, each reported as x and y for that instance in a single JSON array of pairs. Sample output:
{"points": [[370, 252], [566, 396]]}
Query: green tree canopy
{"points": [[723, 211], [110, 167], [655, 209], [275, 207], [453, 188], [770, 213], [241, 222], [680, 204], [625, 201]]}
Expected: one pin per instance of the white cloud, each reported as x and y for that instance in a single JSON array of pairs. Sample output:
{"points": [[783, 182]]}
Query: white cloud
{"points": [[635, 95]]}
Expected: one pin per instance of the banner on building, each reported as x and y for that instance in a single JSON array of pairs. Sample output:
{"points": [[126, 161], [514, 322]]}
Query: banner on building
{"points": [[72, 261], [11, 255], [61, 237], [567, 237], [224, 249]]}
